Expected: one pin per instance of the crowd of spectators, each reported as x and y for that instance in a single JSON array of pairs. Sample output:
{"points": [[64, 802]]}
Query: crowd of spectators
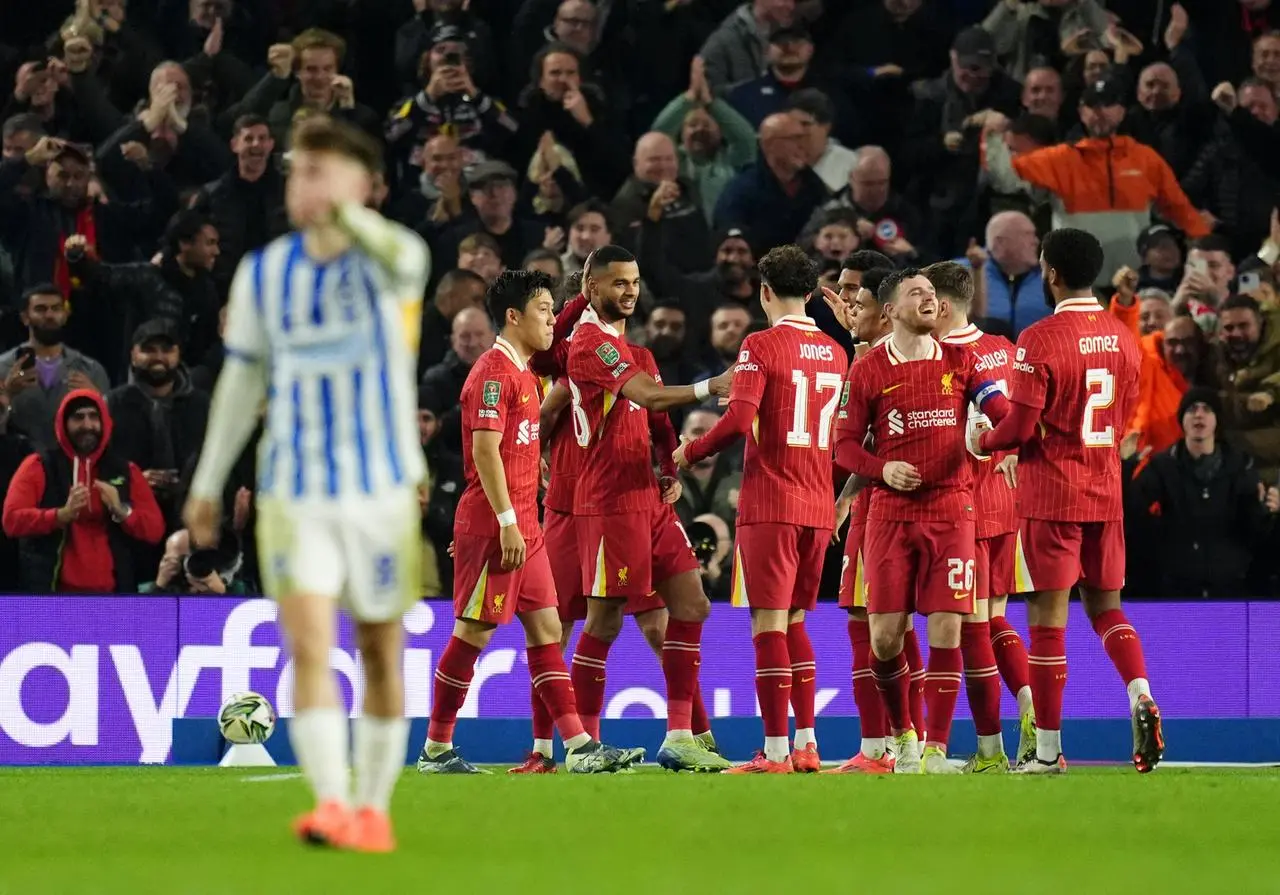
{"points": [[145, 148]]}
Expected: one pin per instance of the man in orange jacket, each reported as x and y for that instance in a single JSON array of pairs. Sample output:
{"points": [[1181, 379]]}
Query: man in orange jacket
{"points": [[1105, 184], [76, 508]]}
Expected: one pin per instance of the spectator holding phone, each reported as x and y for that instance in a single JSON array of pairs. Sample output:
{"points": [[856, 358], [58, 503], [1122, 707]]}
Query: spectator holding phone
{"points": [[39, 373]]}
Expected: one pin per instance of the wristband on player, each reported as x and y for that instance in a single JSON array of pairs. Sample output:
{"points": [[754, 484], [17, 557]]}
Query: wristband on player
{"points": [[507, 518], [702, 389]]}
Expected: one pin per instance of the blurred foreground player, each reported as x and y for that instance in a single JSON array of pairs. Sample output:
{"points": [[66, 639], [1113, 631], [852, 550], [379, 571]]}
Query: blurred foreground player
{"points": [[1075, 381], [501, 569], [630, 542], [857, 307], [995, 530], [912, 393], [320, 326], [786, 387]]}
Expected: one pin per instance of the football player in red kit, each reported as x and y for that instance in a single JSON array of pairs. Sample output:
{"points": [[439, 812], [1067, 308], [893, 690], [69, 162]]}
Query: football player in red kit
{"points": [[995, 529], [786, 387], [629, 541], [501, 569], [1073, 388], [912, 393]]}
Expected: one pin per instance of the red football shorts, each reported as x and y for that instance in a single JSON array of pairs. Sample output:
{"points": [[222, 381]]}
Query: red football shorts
{"points": [[561, 533], [994, 574], [1055, 555], [924, 567], [484, 592], [628, 554], [853, 571], [777, 565]]}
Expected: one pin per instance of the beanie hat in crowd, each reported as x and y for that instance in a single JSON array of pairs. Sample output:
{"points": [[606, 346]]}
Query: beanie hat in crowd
{"points": [[1199, 395]]}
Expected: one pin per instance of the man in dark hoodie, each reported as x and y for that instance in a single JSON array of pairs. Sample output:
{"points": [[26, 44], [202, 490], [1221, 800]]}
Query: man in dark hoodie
{"points": [[78, 509], [161, 417]]}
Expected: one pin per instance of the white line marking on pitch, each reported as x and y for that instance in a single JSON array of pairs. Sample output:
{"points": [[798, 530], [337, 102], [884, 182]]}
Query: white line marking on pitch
{"points": [[269, 778]]}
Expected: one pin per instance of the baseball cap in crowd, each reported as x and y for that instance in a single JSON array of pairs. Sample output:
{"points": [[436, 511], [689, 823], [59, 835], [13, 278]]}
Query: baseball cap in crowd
{"points": [[441, 34], [74, 150], [724, 234], [784, 33], [1156, 233], [1103, 92], [158, 330], [485, 173], [975, 48]]}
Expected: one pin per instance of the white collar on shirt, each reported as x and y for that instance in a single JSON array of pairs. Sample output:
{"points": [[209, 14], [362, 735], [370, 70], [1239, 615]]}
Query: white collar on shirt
{"points": [[897, 357], [589, 315], [965, 335], [509, 350], [799, 321], [1077, 304]]}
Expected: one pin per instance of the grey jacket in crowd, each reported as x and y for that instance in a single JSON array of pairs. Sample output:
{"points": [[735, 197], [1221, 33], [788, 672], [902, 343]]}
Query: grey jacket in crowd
{"points": [[34, 409]]}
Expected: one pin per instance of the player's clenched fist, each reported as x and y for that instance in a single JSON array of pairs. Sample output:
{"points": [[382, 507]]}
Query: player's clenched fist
{"points": [[901, 476], [512, 543]]}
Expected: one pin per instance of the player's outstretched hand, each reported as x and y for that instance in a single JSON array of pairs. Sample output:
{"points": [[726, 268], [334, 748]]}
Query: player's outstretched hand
{"points": [[671, 487], [681, 461], [1008, 467], [202, 516], [901, 476], [512, 547]]}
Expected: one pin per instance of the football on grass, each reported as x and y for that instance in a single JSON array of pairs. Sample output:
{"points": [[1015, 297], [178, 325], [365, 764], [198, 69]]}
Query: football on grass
{"points": [[246, 718]]}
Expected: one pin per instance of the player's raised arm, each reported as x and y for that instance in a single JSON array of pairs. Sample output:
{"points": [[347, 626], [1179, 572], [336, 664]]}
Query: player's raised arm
{"points": [[653, 395], [240, 391], [745, 393], [1028, 387], [399, 251]]}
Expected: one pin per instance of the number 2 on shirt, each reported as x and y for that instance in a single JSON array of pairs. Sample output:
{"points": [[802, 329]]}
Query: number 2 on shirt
{"points": [[798, 435], [1101, 386]]}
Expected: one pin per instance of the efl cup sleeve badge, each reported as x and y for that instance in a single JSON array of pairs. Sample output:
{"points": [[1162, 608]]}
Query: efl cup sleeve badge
{"points": [[491, 393], [608, 354]]}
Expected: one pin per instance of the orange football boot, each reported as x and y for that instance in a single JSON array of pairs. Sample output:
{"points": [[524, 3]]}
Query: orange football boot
{"points": [[806, 761], [328, 825], [762, 765], [371, 832], [862, 764]]}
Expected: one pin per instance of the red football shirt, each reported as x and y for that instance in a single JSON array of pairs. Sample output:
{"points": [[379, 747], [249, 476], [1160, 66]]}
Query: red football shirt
{"points": [[992, 496], [916, 412], [616, 472], [1080, 367], [501, 395], [791, 375]]}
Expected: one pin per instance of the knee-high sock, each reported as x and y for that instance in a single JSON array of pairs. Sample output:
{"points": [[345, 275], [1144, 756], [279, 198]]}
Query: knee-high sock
{"points": [[941, 689], [1124, 648], [379, 753], [1048, 669], [1011, 655], [866, 696], [701, 723], [911, 649], [453, 678], [588, 675], [804, 682], [773, 690], [681, 656], [893, 680], [981, 677], [551, 680], [319, 738]]}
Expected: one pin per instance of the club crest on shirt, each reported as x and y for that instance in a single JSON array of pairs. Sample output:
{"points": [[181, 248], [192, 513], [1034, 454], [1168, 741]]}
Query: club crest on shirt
{"points": [[498, 600], [491, 393], [844, 393], [608, 354], [622, 575], [946, 383]]}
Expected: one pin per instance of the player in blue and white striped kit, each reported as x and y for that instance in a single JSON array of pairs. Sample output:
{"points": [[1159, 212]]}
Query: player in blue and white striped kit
{"points": [[323, 325]]}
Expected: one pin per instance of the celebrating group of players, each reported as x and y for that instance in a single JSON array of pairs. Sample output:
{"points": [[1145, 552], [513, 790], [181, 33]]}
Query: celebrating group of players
{"points": [[947, 515], [310, 336]]}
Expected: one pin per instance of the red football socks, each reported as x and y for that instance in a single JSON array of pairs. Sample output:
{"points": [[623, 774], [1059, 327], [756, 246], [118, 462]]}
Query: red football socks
{"points": [[701, 723], [773, 681], [551, 681], [543, 727], [941, 689], [589, 680], [1048, 672], [804, 674], [681, 656], [1122, 644], [453, 678], [1011, 655], [866, 696], [981, 677], [893, 680], [911, 649]]}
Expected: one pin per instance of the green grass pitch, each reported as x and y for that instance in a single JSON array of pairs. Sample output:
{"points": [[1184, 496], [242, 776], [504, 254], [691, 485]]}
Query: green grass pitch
{"points": [[189, 831]]}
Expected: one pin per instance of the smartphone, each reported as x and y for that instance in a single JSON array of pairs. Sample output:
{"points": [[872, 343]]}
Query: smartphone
{"points": [[453, 57], [26, 357], [1198, 265], [1248, 282]]}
